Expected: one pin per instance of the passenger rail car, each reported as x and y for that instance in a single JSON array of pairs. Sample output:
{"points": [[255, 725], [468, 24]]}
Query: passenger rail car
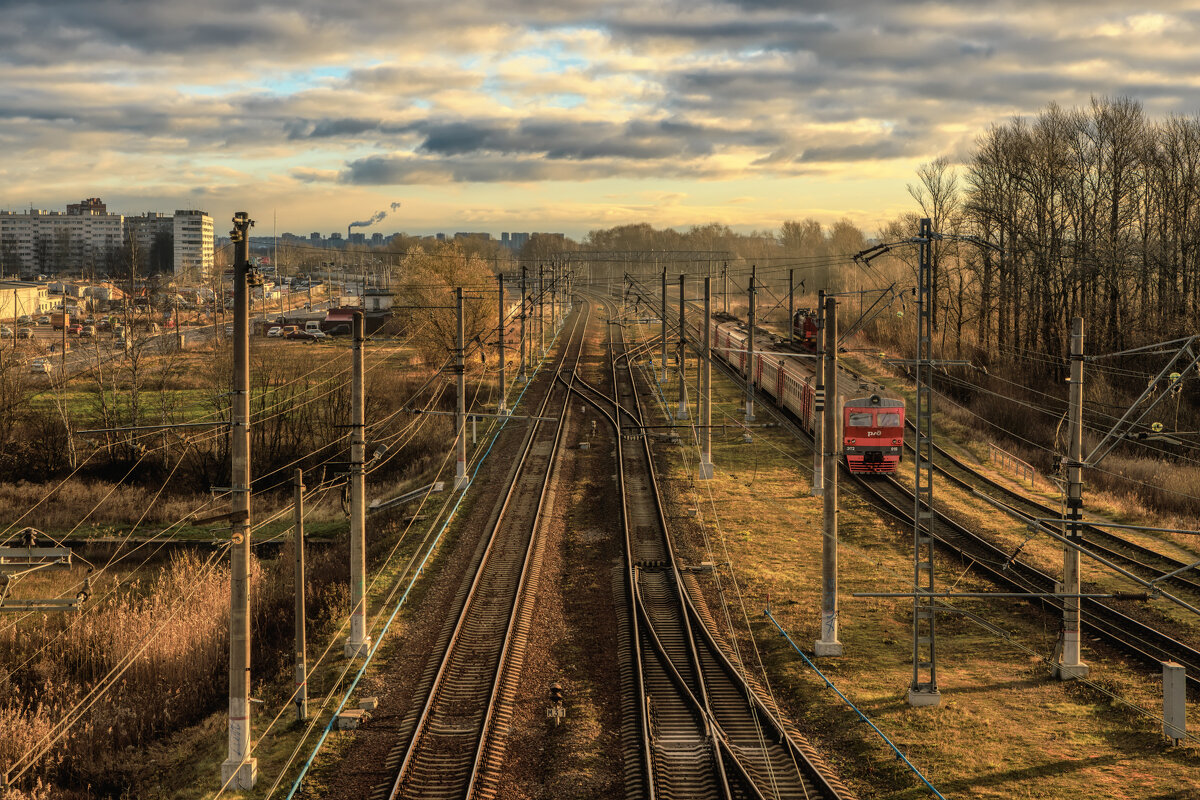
{"points": [[875, 440]]}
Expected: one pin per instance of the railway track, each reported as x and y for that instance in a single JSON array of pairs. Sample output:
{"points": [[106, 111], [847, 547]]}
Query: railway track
{"points": [[451, 745], [1103, 620], [703, 728], [1137, 558]]}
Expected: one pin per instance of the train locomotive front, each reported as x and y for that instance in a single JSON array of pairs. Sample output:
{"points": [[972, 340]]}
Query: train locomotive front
{"points": [[873, 434]]}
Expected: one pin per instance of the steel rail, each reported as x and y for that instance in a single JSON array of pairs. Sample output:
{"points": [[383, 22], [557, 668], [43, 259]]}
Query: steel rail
{"points": [[754, 753], [457, 785]]}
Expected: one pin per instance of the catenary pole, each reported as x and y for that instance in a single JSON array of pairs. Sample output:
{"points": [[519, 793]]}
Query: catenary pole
{"points": [[818, 487], [301, 699], [791, 306], [502, 330], [663, 324], [828, 644], [239, 770], [682, 412], [923, 690], [706, 465], [359, 644], [1071, 666], [524, 308], [460, 414], [725, 288], [750, 358]]}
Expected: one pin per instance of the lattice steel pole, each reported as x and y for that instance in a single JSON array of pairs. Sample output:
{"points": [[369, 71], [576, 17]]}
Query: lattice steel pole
{"points": [[923, 690]]}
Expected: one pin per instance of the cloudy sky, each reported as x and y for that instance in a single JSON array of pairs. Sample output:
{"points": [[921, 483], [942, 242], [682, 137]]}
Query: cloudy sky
{"points": [[561, 115]]}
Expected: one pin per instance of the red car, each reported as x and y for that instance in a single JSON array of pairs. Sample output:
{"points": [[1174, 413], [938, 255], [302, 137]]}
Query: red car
{"points": [[75, 329]]}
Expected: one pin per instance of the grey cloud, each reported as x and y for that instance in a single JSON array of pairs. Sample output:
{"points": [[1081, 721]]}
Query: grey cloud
{"points": [[326, 128], [400, 170], [582, 139]]}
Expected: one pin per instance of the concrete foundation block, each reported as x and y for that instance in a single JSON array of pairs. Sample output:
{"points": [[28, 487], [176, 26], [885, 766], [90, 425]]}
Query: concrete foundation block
{"points": [[1070, 672], [827, 649], [358, 649], [922, 698], [238, 775]]}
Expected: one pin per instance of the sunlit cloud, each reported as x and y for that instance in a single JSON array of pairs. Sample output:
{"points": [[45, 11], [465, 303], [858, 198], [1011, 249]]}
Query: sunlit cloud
{"points": [[526, 113]]}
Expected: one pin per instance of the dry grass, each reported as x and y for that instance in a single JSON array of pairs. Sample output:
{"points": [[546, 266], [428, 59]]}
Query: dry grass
{"points": [[1005, 729]]}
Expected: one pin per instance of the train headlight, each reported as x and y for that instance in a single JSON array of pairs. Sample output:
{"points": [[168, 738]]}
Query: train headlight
{"points": [[895, 441]]}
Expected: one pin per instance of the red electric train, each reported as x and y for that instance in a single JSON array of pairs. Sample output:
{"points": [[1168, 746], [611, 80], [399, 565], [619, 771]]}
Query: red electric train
{"points": [[873, 427]]}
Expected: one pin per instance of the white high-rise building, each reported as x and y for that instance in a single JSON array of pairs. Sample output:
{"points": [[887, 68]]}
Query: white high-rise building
{"points": [[47, 241], [86, 238], [193, 244]]}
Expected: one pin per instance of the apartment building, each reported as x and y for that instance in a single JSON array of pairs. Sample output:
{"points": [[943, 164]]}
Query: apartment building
{"points": [[193, 244]]}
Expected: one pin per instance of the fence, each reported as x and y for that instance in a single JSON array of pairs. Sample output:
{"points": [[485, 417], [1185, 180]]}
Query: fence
{"points": [[1008, 461]]}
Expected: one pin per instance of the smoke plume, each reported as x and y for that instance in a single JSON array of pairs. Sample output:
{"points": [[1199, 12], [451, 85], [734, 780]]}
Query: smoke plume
{"points": [[378, 216]]}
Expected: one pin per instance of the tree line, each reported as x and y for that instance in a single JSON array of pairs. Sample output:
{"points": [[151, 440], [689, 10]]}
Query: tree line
{"points": [[1096, 213]]}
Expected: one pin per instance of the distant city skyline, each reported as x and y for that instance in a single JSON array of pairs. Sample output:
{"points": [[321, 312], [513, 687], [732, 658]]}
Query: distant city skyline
{"points": [[565, 117]]}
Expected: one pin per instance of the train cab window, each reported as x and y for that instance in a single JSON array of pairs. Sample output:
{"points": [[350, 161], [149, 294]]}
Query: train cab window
{"points": [[889, 420], [860, 420]]}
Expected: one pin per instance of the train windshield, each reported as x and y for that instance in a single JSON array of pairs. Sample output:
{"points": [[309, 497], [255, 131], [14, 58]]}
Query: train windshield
{"points": [[859, 420], [889, 420]]}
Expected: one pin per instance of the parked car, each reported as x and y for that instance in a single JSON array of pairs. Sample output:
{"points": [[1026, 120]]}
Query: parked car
{"points": [[6, 332], [275, 333], [39, 367], [88, 331], [24, 319], [229, 330], [25, 333], [308, 336], [44, 319], [74, 330]]}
